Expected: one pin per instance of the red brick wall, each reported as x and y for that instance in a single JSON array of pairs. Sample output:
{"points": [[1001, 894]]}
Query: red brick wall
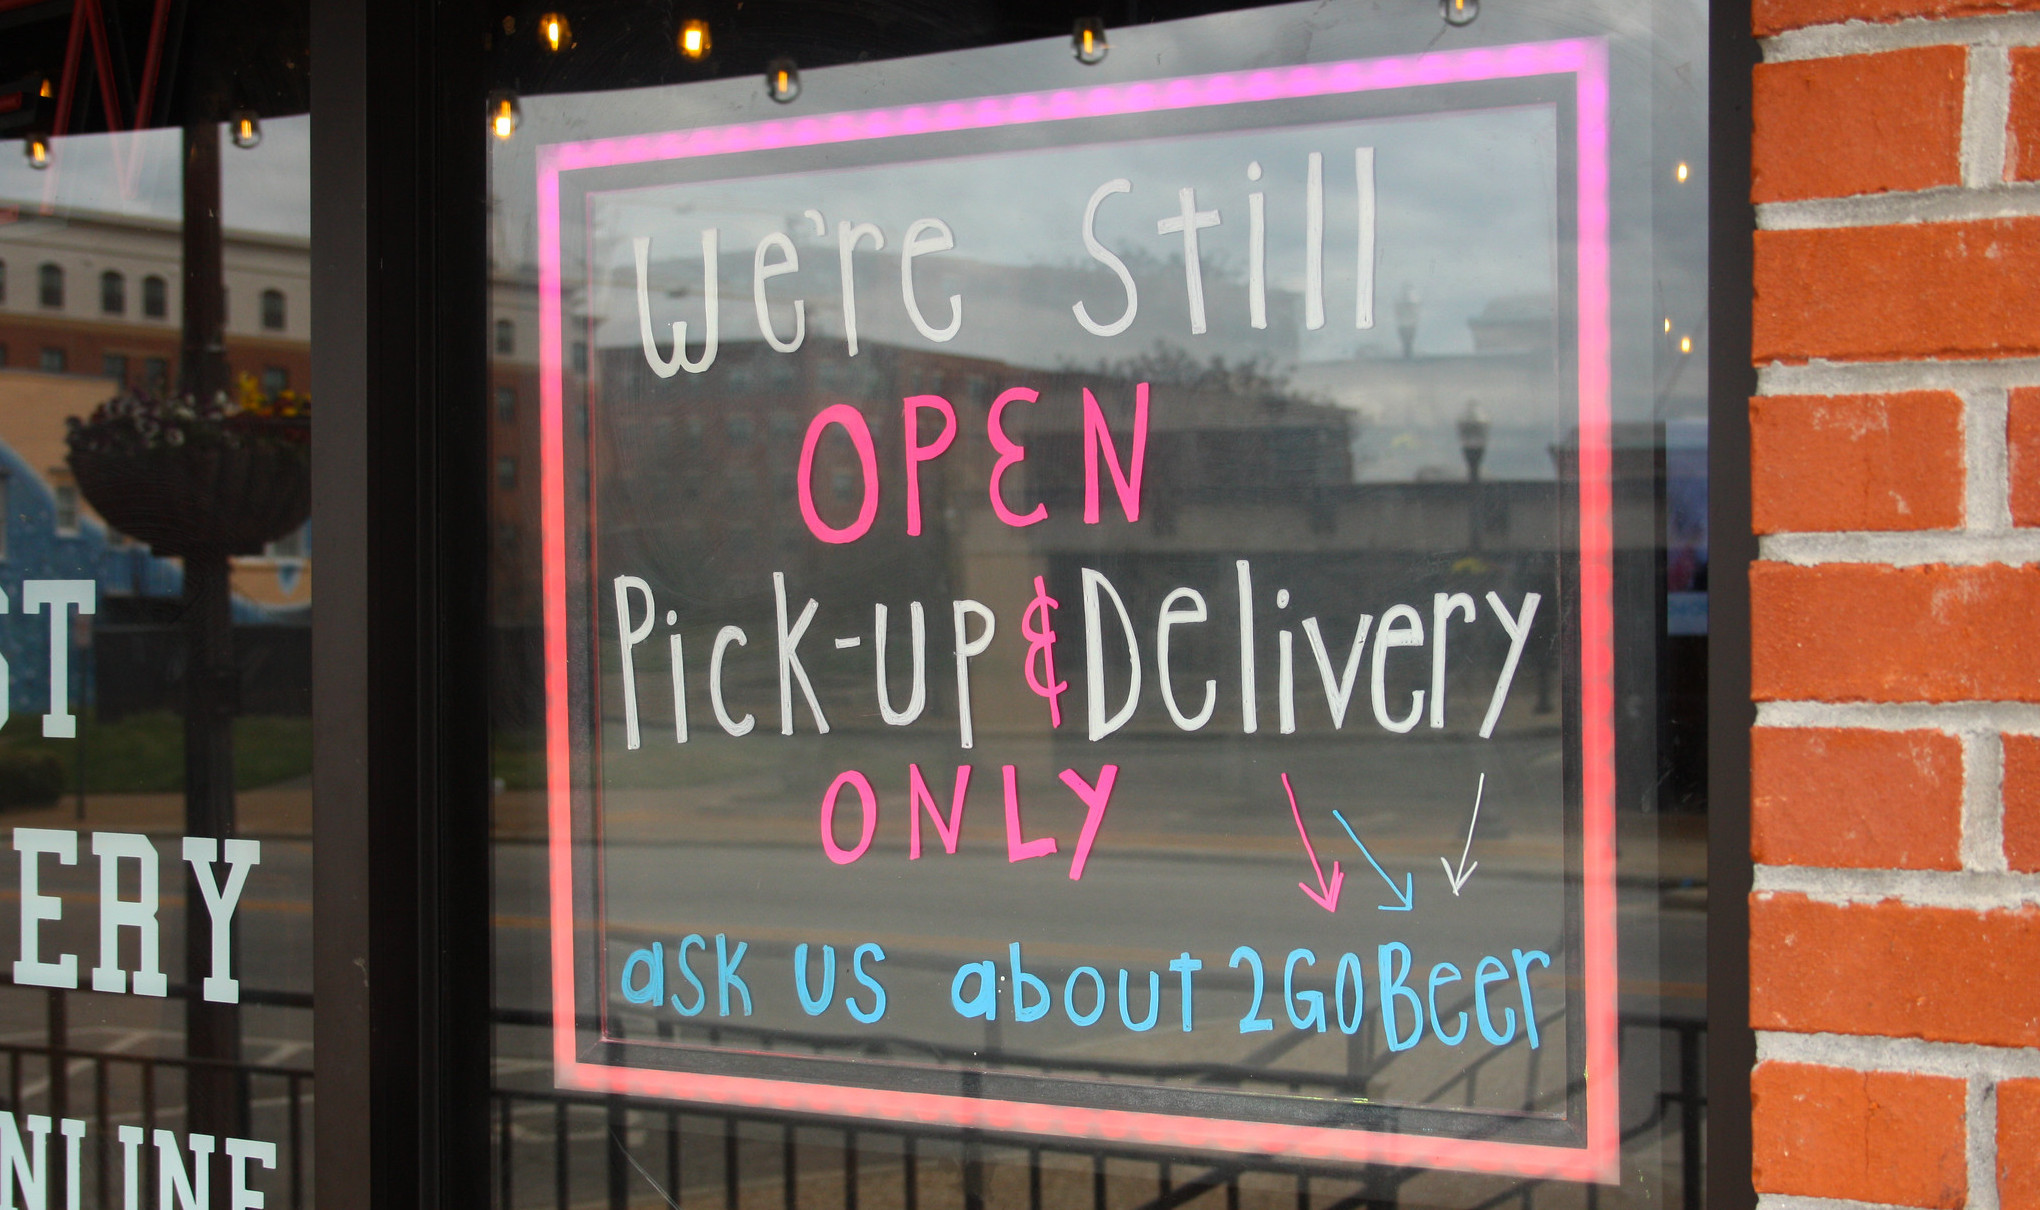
{"points": [[1895, 767]]}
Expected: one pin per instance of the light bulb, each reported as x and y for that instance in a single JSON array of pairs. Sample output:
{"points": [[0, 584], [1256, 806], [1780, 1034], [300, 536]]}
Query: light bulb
{"points": [[555, 32], [1685, 344], [694, 40], [1681, 172], [247, 128], [782, 80], [1459, 12], [1088, 40], [503, 114], [37, 149]]}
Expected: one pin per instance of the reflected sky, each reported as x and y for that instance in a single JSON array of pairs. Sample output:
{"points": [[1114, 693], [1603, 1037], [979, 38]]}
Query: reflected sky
{"points": [[267, 188]]}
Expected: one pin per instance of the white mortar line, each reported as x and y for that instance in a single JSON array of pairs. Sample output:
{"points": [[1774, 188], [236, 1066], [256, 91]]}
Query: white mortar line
{"points": [[1986, 108], [1914, 1056], [1987, 507], [1864, 37], [1915, 549], [2018, 718], [1981, 1118], [1977, 201], [1983, 802], [1973, 892], [1786, 1201], [1854, 378]]}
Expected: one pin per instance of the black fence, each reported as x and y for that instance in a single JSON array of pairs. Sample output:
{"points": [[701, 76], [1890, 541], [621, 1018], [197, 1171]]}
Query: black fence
{"points": [[573, 1150], [137, 668]]}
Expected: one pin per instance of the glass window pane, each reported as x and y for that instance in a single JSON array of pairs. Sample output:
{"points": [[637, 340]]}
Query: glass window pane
{"points": [[155, 757], [1098, 609]]}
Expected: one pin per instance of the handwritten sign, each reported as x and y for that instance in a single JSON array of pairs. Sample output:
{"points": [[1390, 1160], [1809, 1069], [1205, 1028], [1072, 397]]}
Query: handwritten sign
{"points": [[1022, 652]]}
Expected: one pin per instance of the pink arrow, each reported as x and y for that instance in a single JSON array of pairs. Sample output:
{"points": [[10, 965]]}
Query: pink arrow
{"points": [[1326, 895]]}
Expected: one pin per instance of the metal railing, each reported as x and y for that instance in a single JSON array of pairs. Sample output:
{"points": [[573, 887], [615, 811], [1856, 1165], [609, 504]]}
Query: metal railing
{"points": [[570, 1150]]}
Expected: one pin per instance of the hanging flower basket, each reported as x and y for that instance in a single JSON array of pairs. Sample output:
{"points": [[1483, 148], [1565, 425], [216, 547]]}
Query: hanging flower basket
{"points": [[190, 477]]}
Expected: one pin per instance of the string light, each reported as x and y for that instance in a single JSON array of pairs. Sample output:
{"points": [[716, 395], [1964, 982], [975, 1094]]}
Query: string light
{"points": [[1088, 40], [1459, 12], [247, 128], [555, 32], [503, 114], [782, 80], [37, 149], [1685, 344], [1681, 172], [694, 41]]}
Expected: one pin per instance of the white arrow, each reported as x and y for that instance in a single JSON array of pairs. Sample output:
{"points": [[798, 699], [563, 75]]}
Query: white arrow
{"points": [[1466, 871]]}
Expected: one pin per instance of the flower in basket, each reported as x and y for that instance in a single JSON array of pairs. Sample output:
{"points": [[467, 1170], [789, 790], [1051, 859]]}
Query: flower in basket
{"points": [[139, 420]]}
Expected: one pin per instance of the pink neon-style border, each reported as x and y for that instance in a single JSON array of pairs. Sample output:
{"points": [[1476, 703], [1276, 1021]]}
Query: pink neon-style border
{"points": [[1583, 58]]}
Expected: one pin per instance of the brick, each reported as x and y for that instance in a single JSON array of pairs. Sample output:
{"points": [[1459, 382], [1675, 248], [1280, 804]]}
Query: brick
{"points": [[2022, 438], [1856, 799], [1857, 124], [1867, 632], [1856, 462], [2018, 1145], [1908, 291], [1895, 970], [2022, 802], [1872, 1136], [2022, 127], [1769, 17]]}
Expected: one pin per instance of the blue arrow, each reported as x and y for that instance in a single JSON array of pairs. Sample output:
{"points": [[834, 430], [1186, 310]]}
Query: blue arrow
{"points": [[1408, 891]]}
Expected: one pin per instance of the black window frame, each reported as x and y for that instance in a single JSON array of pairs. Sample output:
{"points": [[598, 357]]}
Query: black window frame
{"points": [[112, 292]]}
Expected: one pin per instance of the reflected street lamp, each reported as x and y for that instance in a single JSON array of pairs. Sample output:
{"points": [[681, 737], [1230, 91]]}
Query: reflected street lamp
{"points": [[1473, 438], [1407, 308]]}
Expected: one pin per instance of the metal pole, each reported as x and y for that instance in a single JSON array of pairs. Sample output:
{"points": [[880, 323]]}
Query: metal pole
{"points": [[212, 1031]]}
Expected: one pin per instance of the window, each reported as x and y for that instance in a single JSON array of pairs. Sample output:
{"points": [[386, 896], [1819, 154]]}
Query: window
{"points": [[506, 337], [1522, 548], [3, 281], [3, 353], [580, 357], [272, 311], [109, 628], [64, 509], [506, 404], [275, 380], [506, 472]]}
